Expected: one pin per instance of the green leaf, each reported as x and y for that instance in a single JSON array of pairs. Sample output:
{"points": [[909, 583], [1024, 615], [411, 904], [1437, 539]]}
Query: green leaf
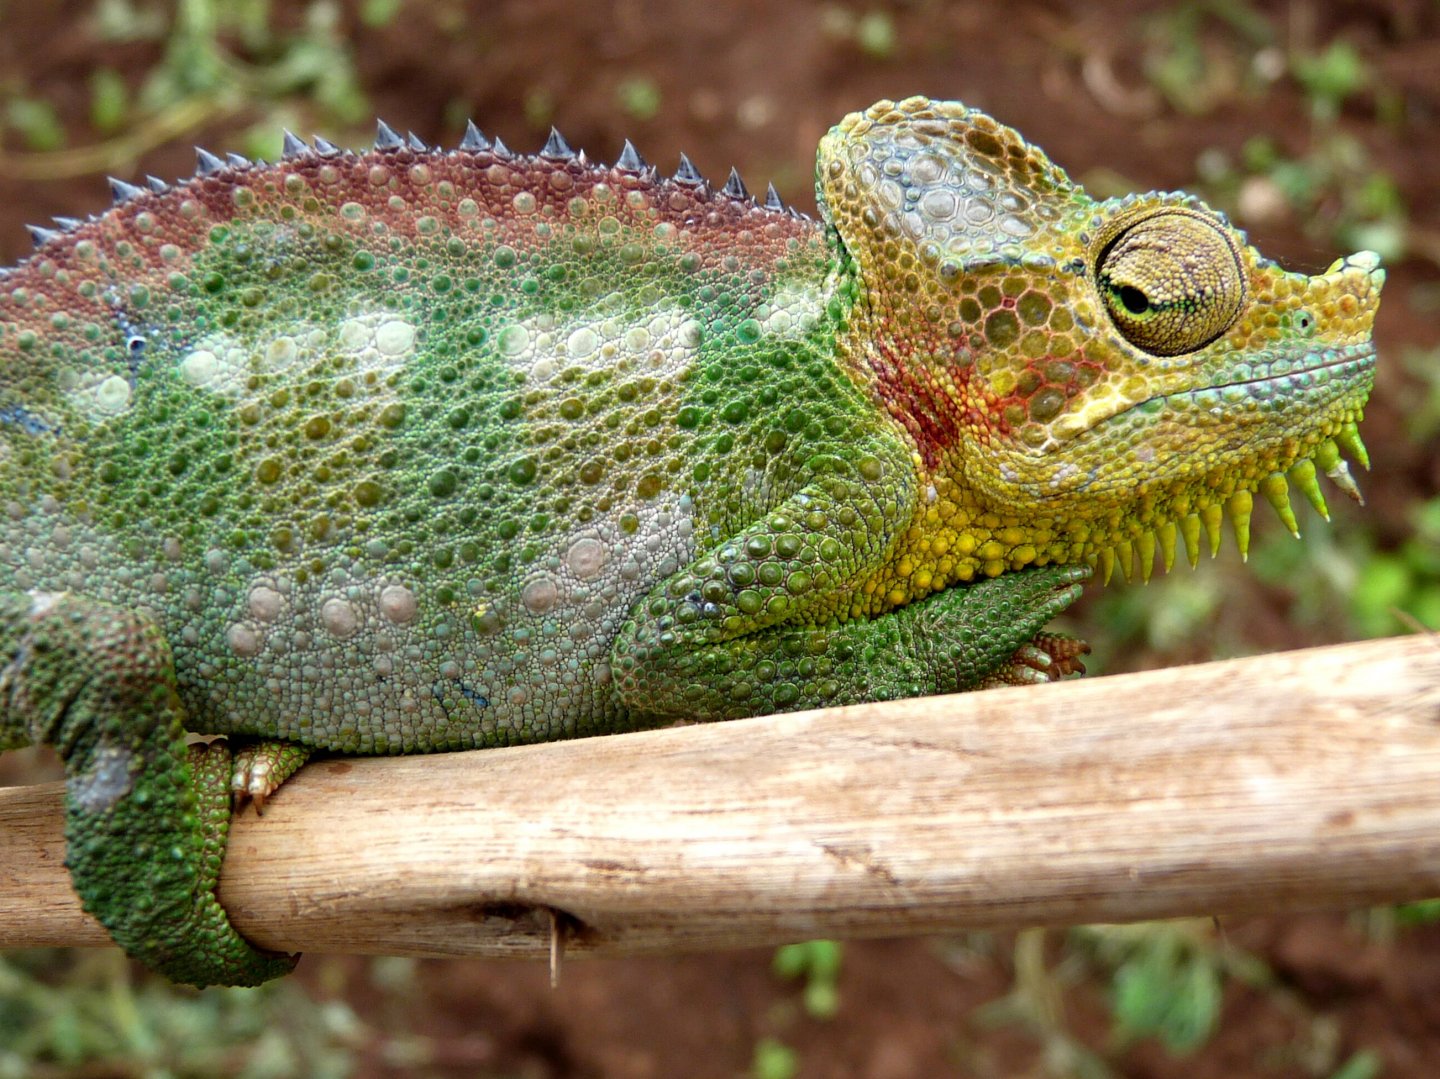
{"points": [[1332, 76], [377, 13], [37, 122], [639, 98], [109, 100], [1365, 1064], [774, 1060]]}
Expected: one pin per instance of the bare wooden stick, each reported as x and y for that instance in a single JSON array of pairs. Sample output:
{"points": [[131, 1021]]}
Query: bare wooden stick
{"points": [[1294, 781]]}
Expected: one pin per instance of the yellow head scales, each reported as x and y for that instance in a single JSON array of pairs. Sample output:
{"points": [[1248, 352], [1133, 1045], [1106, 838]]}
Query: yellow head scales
{"points": [[1082, 379]]}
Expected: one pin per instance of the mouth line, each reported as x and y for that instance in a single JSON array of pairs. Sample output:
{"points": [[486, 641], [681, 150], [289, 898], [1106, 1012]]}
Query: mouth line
{"points": [[1084, 438], [1365, 357]]}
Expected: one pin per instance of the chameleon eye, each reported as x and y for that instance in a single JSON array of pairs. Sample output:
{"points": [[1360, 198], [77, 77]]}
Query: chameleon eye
{"points": [[1171, 282]]}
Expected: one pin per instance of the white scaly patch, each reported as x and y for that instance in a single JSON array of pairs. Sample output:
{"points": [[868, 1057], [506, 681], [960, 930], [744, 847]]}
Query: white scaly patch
{"points": [[98, 396], [791, 313], [657, 341], [571, 604], [377, 343]]}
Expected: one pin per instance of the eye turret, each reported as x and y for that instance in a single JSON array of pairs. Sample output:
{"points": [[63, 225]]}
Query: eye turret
{"points": [[1171, 282]]}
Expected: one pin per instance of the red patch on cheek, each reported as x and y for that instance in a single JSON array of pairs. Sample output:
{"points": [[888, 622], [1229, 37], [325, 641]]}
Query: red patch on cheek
{"points": [[933, 404], [938, 397]]}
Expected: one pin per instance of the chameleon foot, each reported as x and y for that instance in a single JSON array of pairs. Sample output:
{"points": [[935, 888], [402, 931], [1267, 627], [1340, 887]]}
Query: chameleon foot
{"points": [[259, 769], [1047, 657]]}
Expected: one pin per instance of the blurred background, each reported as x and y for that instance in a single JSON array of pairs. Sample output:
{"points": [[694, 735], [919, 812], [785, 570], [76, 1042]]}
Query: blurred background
{"points": [[1314, 125]]}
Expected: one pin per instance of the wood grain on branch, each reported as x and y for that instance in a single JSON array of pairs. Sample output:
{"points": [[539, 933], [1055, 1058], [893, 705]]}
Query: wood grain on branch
{"points": [[1299, 780]]}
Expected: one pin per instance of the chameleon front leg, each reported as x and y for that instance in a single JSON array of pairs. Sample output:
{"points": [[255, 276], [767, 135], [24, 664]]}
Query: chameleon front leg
{"points": [[758, 624], [146, 818]]}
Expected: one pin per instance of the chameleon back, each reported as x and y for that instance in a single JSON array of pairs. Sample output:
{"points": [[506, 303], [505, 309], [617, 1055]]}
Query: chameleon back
{"points": [[403, 435]]}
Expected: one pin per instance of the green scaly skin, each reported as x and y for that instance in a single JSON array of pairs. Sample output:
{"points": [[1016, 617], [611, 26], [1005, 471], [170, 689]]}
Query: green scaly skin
{"points": [[409, 451]]}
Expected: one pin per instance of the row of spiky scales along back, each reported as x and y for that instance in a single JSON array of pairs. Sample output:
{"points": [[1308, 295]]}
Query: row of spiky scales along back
{"points": [[556, 148], [1134, 557]]}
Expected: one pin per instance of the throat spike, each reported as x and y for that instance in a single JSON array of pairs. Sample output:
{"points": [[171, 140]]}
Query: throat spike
{"points": [[1327, 456], [1329, 459], [1125, 557], [1166, 534], [1145, 549], [1348, 439], [1213, 517], [1107, 564], [1303, 473], [1190, 532], [1277, 492], [1341, 478], [1241, 505]]}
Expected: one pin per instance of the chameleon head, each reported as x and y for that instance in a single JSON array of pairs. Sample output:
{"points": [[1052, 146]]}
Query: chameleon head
{"points": [[1088, 373]]}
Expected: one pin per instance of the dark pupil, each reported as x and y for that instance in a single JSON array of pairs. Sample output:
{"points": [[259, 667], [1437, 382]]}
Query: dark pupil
{"points": [[1133, 300]]}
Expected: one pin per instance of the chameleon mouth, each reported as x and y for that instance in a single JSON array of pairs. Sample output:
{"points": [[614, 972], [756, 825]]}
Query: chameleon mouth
{"points": [[1200, 524], [1337, 366]]}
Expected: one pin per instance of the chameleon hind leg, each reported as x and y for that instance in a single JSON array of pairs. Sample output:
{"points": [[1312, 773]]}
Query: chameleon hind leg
{"points": [[146, 817]]}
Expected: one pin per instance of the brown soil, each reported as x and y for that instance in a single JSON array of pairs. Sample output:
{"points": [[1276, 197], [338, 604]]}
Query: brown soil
{"points": [[756, 84]]}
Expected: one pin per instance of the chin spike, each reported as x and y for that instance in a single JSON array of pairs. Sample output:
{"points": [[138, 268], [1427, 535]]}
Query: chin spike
{"points": [[1342, 479], [1348, 439], [1145, 548], [773, 201], [1107, 564], [325, 148], [1240, 505], [1190, 530], [292, 146], [1125, 558], [1212, 517], [556, 148], [41, 236], [1277, 493], [734, 186], [1329, 459], [121, 192], [1166, 534], [1303, 473]]}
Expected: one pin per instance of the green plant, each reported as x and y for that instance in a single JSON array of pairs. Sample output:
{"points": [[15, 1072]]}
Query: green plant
{"points": [[774, 1060], [818, 962], [66, 1012], [217, 61], [639, 98]]}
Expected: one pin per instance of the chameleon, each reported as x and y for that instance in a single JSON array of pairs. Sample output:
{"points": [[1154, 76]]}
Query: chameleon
{"points": [[410, 450]]}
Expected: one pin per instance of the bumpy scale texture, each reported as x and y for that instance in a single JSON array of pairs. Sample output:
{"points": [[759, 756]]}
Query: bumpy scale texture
{"points": [[413, 450]]}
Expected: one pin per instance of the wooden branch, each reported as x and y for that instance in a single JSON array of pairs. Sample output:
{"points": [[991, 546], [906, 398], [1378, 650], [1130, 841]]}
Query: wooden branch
{"points": [[1301, 780]]}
